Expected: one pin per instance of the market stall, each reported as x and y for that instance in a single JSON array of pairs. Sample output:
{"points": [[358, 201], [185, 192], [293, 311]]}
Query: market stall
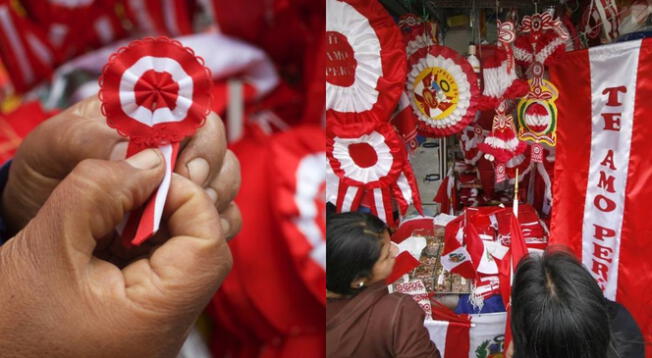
{"points": [[481, 131]]}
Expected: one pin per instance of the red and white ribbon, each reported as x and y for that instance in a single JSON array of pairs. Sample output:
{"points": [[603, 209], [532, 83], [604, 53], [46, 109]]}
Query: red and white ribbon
{"points": [[156, 92]]}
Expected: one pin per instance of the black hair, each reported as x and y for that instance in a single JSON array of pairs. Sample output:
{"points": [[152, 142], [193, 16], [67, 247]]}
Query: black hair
{"points": [[558, 309], [353, 243]]}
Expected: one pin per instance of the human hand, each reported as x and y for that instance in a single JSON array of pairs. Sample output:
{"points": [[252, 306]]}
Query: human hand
{"points": [[58, 299], [55, 147]]}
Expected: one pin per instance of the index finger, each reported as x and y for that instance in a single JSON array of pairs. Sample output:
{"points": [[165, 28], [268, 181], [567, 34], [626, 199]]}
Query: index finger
{"points": [[202, 157], [193, 262]]}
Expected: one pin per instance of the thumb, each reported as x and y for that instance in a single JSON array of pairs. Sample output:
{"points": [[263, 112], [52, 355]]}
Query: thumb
{"points": [[89, 203]]}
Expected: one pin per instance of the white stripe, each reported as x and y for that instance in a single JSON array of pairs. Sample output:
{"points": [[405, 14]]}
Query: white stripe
{"points": [[437, 330], [142, 15], [39, 49], [104, 29], [332, 184], [162, 192], [611, 66], [144, 115], [413, 245], [404, 187], [348, 198], [310, 176], [169, 16], [17, 46], [380, 206]]}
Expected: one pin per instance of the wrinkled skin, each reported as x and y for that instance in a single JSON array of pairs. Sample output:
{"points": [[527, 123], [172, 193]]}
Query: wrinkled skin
{"points": [[68, 288]]}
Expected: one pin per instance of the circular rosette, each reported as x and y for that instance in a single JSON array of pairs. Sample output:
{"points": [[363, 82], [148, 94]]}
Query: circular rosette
{"points": [[155, 91], [365, 62], [443, 91], [371, 160]]}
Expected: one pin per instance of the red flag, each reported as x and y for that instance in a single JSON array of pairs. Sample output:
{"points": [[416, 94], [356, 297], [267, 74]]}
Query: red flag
{"points": [[405, 122], [446, 196], [409, 246], [603, 181], [517, 251]]}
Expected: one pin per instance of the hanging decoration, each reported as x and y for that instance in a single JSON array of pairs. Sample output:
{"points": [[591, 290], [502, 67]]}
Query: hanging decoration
{"points": [[537, 113], [469, 139], [365, 63], [543, 39], [502, 144], [443, 90], [499, 71], [374, 163], [418, 33], [600, 17], [155, 92]]}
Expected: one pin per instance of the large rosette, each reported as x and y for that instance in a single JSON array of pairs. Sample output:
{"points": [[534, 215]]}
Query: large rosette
{"points": [[365, 62], [443, 90]]}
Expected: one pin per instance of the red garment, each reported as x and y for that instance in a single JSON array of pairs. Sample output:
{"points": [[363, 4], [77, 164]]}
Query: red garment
{"points": [[264, 304]]}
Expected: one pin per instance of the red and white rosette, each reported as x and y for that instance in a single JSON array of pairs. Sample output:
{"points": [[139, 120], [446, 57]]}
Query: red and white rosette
{"points": [[423, 35], [365, 62], [375, 162], [443, 90], [156, 92], [298, 183]]}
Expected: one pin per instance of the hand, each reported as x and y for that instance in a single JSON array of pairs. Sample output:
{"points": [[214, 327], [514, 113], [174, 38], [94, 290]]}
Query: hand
{"points": [[59, 300], [55, 147]]}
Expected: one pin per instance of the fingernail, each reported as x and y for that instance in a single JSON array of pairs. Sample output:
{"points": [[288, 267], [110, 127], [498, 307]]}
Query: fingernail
{"points": [[119, 151], [226, 227], [146, 159], [211, 194], [198, 170]]}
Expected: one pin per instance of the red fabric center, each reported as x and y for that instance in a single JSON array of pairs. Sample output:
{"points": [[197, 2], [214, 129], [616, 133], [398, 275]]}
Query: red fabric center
{"points": [[363, 154], [340, 62], [156, 90]]}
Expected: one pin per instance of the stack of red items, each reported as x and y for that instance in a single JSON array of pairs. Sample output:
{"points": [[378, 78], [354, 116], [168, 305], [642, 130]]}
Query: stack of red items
{"points": [[479, 236]]}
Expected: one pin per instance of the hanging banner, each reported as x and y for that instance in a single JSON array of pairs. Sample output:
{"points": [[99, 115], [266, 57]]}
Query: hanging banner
{"points": [[603, 180]]}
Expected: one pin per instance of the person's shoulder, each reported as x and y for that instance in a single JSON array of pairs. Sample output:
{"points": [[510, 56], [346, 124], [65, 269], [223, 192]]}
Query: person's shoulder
{"points": [[626, 334], [402, 302]]}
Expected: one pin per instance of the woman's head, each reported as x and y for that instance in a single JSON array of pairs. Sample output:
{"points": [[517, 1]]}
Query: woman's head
{"points": [[358, 252], [558, 309]]}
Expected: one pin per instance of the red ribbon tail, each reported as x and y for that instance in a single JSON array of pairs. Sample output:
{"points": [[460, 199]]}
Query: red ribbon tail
{"points": [[142, 223]]}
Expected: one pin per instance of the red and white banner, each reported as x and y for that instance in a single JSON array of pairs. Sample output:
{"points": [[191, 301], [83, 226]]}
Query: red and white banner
{"points": [[603, 180], [462, 336]]}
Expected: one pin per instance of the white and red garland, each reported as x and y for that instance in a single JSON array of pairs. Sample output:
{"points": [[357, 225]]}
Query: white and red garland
{"points": [[374, 163], [365, 62], [499, 71], [443, 90]]}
